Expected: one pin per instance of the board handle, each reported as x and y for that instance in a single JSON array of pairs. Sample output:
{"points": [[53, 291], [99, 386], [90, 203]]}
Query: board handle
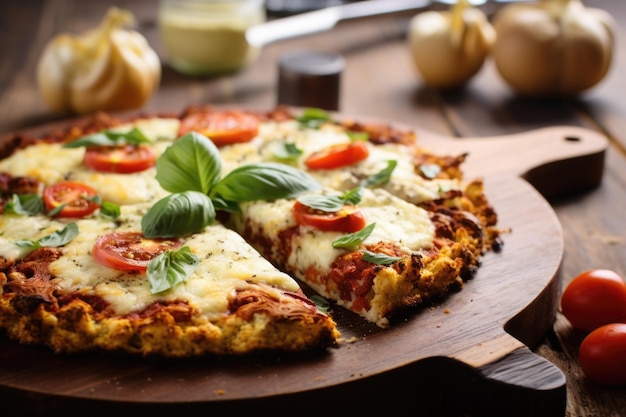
{"points": [[524, 378], [556, 160]]}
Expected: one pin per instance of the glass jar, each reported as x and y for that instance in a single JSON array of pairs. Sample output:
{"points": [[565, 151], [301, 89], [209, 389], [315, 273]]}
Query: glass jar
{"points": [[207, 37]]}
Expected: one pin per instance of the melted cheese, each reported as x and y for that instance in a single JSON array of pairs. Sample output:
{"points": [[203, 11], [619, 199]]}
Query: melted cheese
{"points": [[396, 221], [226, 263], [404, 182]]}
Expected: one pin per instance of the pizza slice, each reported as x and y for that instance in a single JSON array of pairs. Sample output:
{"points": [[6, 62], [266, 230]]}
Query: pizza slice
{"points": [[94, 258], [371, 252]]}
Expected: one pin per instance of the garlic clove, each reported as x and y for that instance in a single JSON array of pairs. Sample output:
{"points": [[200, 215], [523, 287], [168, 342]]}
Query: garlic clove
{"points": [[450, 47]]}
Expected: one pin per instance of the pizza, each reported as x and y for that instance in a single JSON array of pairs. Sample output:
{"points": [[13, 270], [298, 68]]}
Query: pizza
{"points": [[227, 231]]}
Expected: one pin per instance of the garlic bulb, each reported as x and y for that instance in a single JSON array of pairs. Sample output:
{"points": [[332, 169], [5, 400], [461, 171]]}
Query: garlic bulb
{"points": [[450, 47], [553, 47], [108, 68]]}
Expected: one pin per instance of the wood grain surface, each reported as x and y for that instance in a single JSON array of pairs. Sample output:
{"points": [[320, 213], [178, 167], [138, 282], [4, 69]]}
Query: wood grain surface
{"points": [[379, 81]]}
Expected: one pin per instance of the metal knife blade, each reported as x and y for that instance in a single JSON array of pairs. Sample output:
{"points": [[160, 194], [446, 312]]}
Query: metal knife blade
{"points": [[325, 19]]}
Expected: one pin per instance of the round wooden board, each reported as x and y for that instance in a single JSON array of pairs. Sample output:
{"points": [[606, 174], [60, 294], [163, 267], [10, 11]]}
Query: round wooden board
{"points": [[516, 289]]}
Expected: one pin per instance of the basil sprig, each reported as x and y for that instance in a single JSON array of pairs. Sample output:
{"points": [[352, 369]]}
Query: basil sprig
{"points": [[54, 240], [313, 118], [382, 176], [110, 138], [332, 203], [170, 269], [191, 170]]}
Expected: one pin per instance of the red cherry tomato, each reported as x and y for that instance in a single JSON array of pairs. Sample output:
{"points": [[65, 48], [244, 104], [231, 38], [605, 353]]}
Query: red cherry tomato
{"points": [[348, 220], [595, 298], [223, 127], [74, 199], [130, 251], [337, 156], [602, 354], [126, 159]]}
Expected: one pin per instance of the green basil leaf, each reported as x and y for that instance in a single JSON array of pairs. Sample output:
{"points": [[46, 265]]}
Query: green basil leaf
{"points": [[313, 118], [109, 210], [110, 138], [24, 204], [354, 136], [263, 181], [320, 302], [223, 205], [287, 151], [353, 196], [325, 203], [170, 269], [352, 240], [381, 177], [54, 240], [192, 163], [178, 214], [379, 258], [430, 171]]}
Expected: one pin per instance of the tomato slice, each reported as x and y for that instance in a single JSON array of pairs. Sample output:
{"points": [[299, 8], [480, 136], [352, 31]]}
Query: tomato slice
{"points": [[75, 197], [125, 159], [348, 220], [222, 127], [339, 155], [130, 251]]}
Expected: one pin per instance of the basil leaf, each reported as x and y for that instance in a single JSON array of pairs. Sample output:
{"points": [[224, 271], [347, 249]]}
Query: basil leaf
{"points": [[192, 163], [325, 203], [178, 214], [352, 240], [170, 269], [354, 136], [381, 177], [53, 240], [109, 210], [353, 196], [110, 138], [320, 302], [263, 181], [313, 118], [430, 171], [379, 258], [287, 151], [24, 204]]}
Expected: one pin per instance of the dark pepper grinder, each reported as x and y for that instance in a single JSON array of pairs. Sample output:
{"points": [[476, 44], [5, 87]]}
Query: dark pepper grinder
{"points": [[310, 79]]}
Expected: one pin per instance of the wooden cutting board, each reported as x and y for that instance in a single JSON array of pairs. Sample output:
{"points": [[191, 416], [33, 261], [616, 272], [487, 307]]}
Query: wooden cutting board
{"points": [[467, 354]]}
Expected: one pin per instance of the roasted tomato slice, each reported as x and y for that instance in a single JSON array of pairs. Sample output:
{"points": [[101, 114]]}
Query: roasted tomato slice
{"points": [[125, 159], [75, 198], [337, 156], [347, 220], [222, 127], [130, 251]]}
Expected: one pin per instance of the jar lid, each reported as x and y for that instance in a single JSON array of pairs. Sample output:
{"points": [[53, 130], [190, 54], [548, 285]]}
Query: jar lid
{"points": [[310, 79]]}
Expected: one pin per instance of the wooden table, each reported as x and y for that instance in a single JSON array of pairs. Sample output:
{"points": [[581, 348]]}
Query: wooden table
{"points": [[379, 81]]}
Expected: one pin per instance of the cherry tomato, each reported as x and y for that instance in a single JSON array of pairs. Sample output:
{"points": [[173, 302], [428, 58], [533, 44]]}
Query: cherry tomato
{"points": [[120, 159], [595, 298], [75, 198], [349, 219], [339, 155], [130, 251], [222, 127], [602, 354]]}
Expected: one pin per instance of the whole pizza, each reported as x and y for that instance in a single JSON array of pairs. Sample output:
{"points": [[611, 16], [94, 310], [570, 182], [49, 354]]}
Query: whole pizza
{"points": [[197, 233]]}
